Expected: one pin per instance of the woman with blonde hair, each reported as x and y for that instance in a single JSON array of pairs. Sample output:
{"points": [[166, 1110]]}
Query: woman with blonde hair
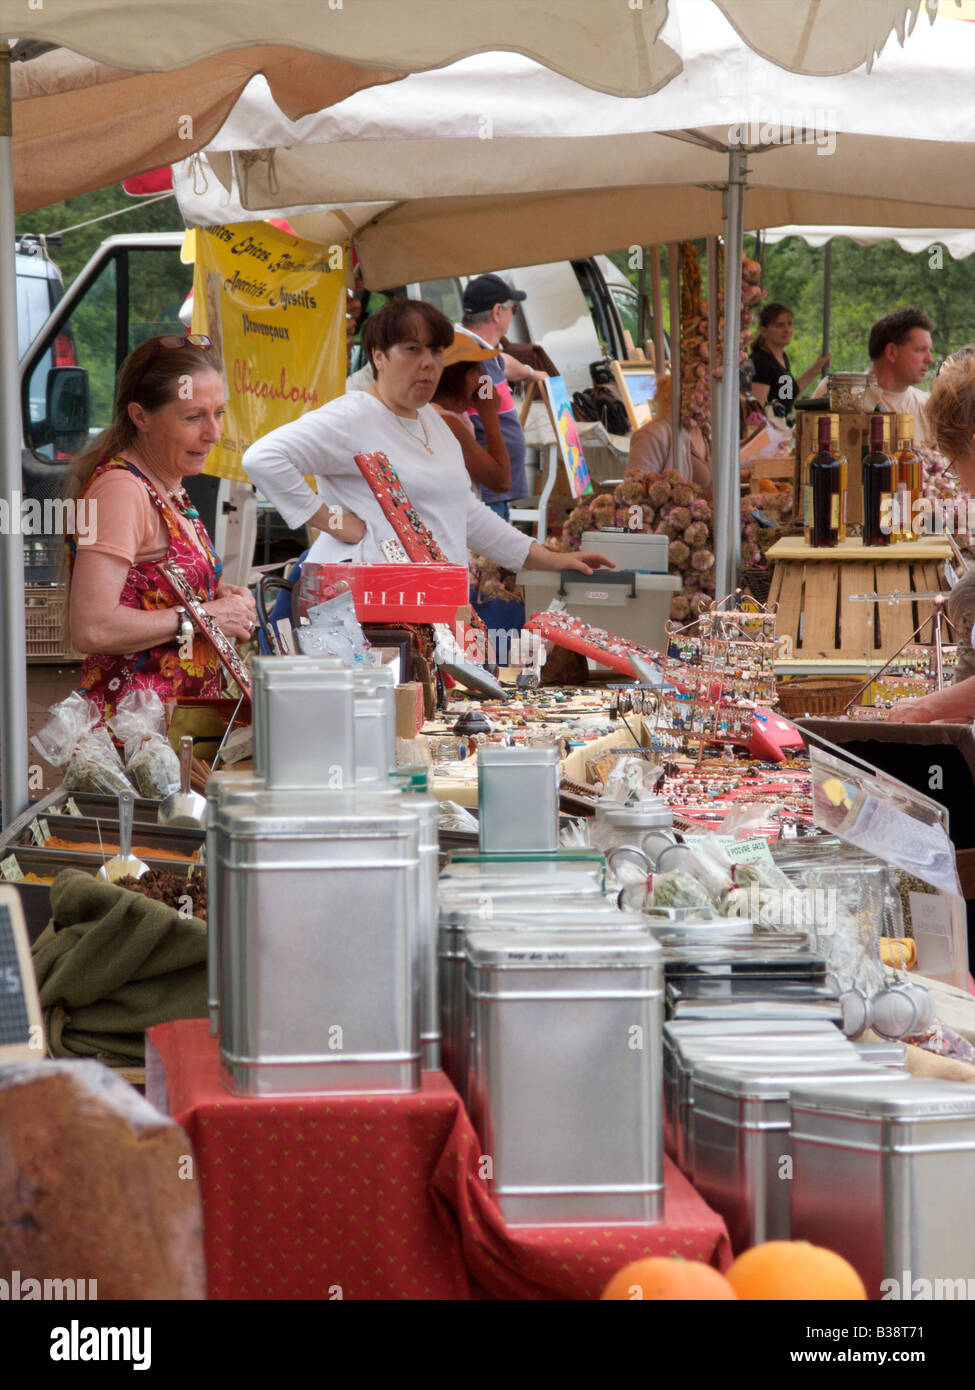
{"points": [[652, 448], [951, 420]]}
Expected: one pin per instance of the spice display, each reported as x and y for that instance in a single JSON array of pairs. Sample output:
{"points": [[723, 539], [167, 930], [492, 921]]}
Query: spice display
{"points": [[187, 896]]}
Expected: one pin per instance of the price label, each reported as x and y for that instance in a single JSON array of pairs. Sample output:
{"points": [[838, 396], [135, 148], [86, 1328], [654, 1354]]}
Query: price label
{"points": [[40, 832], [10, 869], [71, 807]]}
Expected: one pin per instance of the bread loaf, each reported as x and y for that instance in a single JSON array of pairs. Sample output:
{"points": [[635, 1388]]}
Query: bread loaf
{"points": [[96, 1185]]}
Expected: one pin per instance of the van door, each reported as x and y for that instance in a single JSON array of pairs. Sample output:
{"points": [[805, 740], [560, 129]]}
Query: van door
{"points": [[131, 289]]}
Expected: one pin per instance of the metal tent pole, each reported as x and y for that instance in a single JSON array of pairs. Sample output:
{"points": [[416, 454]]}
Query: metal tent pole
{"points": [[13, 657], [657, 310], [673, 293], [714, 400], [727, 487], [641, 289], [827, 293]]}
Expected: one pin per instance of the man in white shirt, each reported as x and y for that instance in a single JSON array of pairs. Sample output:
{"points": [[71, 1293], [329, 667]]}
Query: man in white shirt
{"points": [[900, 355]]}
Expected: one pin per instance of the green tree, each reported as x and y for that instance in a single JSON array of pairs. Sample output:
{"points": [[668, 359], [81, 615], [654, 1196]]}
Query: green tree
{"points": [[76, 247]]}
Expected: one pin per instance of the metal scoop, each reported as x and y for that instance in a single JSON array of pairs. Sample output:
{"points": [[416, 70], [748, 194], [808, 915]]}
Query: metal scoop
{"points": [[125, 862], [185, 808]]}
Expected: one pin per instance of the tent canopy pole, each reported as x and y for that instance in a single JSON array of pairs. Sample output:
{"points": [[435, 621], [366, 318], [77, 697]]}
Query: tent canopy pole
{"points": [[13, 657], [727, 486]]}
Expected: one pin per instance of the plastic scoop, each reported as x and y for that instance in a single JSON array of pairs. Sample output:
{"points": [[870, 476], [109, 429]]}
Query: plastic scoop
{"points": [[125, 862], [185, 808]]}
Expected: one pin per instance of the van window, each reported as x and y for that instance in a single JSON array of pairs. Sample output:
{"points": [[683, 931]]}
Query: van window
{"points": [[627, 302], [445, 295]]}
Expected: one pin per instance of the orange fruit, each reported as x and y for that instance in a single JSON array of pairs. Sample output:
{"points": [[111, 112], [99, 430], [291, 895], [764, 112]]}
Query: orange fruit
{"points": [[794, 1269], [658, 1278], [766, 485]]}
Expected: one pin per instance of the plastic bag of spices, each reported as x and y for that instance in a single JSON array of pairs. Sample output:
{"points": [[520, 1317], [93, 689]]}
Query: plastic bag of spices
{"points": [[76, 742], [150, 762]]}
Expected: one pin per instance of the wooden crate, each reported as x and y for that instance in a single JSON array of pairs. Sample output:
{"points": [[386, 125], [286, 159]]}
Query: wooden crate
{"points": [[812, 595], [43, 625]]}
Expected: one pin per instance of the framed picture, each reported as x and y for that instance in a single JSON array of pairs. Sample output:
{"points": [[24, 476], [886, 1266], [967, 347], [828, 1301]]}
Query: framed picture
{"points": [[569, 443], [637, 385]]}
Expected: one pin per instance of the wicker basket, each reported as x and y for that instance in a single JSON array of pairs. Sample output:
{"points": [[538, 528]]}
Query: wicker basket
{"points": [[816, 695], [757, 579], [43, 624]]}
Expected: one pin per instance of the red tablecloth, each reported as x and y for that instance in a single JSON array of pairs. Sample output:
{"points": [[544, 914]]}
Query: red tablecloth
{"points": [[376, 1197]]}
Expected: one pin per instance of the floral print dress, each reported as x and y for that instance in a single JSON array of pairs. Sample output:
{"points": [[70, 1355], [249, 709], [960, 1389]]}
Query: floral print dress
{"points": [[105, 678]]}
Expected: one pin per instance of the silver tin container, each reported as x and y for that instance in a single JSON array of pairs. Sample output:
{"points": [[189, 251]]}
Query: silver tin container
{"points": [[222, 788], [374, 720], [553, 865], [740, 1160], [518, 798], [768, 1052], [538, 914], [883, 1054], [886, 1178], [679, 1031], [565, 1073], [320, 970], [303, 723]]}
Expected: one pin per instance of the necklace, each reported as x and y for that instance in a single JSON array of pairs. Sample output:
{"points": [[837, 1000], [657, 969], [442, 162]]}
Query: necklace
{"points": [[426, 438]]}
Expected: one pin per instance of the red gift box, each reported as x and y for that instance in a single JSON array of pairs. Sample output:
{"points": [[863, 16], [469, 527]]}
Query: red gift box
{"points": [[428, 593]]}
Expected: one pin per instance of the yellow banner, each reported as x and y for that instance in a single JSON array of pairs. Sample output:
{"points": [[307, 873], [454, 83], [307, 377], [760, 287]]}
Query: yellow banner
{"points": [[274, 305]]}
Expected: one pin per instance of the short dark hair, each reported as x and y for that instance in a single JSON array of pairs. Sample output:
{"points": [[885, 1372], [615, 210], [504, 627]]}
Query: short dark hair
{"points": [[398, 321], [896, 328]]}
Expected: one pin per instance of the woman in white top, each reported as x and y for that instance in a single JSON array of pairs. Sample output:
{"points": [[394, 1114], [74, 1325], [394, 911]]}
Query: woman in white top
{"points": [[405, 343]]}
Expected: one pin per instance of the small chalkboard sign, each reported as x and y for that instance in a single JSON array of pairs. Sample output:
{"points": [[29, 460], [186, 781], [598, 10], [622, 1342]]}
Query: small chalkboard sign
{"points": [[21, 1026]]}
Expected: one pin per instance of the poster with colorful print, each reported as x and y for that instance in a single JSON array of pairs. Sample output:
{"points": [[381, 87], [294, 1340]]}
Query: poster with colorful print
{"points": [[570, 445], [274, 305]]}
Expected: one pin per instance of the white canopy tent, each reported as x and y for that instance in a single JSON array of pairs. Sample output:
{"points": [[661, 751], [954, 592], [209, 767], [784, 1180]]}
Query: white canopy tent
{"points": [[958, 244], [496, 161], [618, 51]]}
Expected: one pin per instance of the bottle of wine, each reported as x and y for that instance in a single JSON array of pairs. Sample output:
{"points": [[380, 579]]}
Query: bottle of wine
{"points": [[878, 484], [908, 477], [834, 444], [825, 480]]}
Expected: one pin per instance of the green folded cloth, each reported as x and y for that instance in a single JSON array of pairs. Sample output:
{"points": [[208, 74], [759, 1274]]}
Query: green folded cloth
{"points": [[112, 963]]}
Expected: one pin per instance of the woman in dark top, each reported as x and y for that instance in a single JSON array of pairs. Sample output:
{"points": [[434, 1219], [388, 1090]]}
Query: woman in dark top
{"points": [[773, 375]]}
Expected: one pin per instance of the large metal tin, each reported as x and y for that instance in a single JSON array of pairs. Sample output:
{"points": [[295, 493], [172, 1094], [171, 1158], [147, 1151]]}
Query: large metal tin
{"points": [[518, 798], [375, 725], [319, 967], [565, 1069], [740, 1158], [773, 1052], [303, 723], [677, 1032], [505, 914], [886, 1178], [222, 788], [554, 864]]}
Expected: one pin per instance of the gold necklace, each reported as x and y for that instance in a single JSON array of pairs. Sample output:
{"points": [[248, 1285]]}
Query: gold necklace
{"points": [[426, 438]]}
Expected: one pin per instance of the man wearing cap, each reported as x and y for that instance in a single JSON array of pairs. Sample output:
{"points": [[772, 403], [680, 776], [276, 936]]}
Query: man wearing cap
{"points": [[489, 307]]}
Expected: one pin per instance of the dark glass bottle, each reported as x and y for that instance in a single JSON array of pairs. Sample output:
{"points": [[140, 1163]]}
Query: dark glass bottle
{"points": [[878, 484], [825, 484]]}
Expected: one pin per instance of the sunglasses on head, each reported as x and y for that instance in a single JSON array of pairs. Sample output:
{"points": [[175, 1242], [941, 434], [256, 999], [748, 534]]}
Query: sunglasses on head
{"points": [[170, 342]]}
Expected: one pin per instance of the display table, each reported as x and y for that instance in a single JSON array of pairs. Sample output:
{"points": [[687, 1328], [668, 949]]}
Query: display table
{"points": [[378, 1197]]}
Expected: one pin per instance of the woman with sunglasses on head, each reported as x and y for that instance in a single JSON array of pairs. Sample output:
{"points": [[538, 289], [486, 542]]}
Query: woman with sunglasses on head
{"points": [[122, 611], [950, 417]]}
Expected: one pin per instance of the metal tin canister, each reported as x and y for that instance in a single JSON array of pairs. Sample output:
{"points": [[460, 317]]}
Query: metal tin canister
{"points": [[741, 1138], [374, 720], [518, 798], [222, 788], [320, 973], [883, 1054], [504, 914], [886, 1178], [682, 1030], [303, 723], [565, 1071], [774, 1053]]}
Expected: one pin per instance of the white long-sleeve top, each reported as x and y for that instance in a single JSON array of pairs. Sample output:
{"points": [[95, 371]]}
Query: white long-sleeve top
{"points": [[324, 443]]}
